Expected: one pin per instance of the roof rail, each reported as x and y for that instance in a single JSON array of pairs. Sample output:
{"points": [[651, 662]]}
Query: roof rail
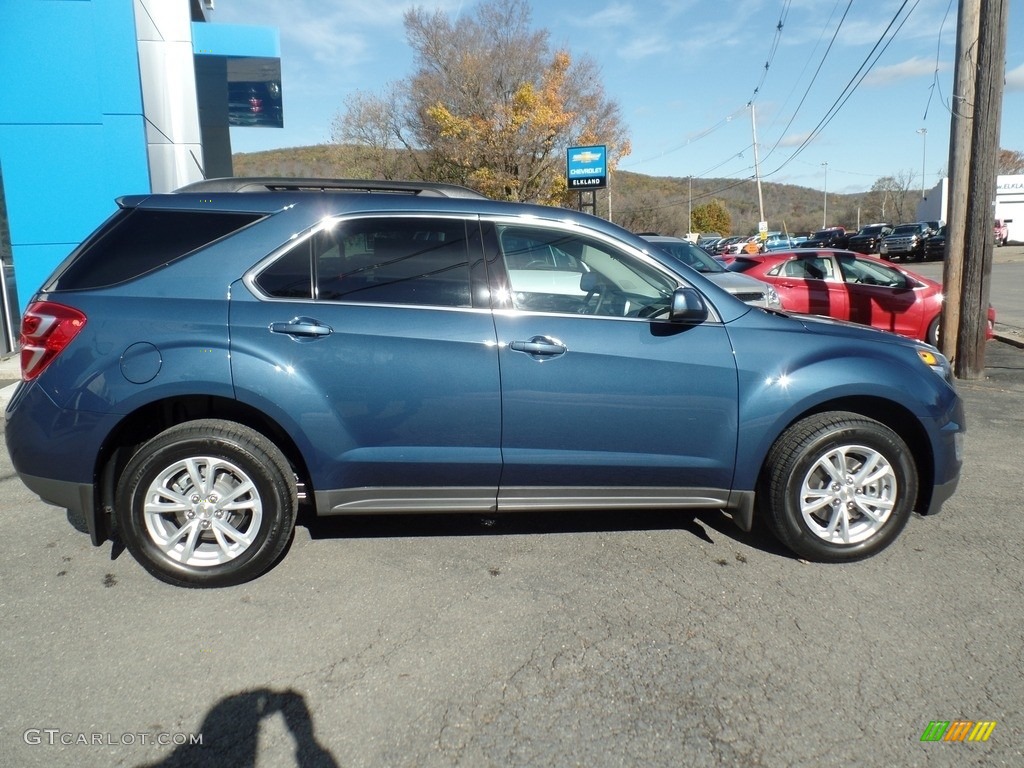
{"points": [[286, 184]]}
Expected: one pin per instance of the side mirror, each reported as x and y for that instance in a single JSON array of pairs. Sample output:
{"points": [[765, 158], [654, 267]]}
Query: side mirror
{"points": [[688, 307]]}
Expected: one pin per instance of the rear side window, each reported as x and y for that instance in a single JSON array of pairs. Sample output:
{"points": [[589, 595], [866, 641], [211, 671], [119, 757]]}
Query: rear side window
{"points": [[136, 241], [419, 261]]}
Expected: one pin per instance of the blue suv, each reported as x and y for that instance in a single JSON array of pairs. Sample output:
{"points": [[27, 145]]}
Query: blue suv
{"points": [[211, 360]]}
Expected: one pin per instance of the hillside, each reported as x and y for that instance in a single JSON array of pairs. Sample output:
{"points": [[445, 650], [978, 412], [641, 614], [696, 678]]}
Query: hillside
{"points": [[638, 202]]}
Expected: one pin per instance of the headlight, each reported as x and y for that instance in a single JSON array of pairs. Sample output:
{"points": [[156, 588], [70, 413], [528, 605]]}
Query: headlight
{"points": [[936, 361], [771, 298]]}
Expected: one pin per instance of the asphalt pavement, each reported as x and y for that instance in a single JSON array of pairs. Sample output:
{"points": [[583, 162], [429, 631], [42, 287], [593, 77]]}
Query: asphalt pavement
{"points": [[598, 640]]}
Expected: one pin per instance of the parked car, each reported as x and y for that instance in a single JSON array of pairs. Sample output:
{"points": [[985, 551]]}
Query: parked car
{"points": [[210, 359], [868, 239], [906, 241], [746, 244], [935, 246], [851, 286], [724, 243], [1001, 232], [708, 239], [744, 288], [830, 237], [778, 241], [856, 287]]}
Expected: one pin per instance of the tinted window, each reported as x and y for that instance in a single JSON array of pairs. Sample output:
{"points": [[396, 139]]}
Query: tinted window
{"points": [[291, 276], [381, 261], [136, 241]]}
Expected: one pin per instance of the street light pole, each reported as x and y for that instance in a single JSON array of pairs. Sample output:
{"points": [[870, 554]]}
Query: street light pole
{"points": [[824, 214], [924, 149]]}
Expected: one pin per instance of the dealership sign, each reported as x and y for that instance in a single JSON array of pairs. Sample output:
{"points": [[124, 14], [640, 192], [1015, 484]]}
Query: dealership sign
{"points": [[587, 167]]}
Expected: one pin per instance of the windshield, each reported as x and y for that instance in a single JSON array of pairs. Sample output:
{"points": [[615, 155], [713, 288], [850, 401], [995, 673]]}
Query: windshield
{"points": [[690, 255]]}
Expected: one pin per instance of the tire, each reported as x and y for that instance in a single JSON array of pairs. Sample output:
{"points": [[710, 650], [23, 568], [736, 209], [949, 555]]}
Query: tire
{"points": [[932, 334], [841, 463], [192, 527]]}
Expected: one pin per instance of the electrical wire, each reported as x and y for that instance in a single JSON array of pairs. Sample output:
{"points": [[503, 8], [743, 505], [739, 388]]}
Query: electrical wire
{"points": [[866, 66]]}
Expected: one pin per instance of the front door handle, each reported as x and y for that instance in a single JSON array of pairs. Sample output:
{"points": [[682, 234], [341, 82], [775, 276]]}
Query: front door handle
{"points": [[539, 346], [302, 326]]}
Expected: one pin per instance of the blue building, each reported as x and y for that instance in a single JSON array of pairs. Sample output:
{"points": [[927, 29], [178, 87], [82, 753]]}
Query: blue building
{"points": [[112, 97]]}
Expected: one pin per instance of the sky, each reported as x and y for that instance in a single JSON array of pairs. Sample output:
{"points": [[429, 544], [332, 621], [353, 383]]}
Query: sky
{"points": [[843, 92]]}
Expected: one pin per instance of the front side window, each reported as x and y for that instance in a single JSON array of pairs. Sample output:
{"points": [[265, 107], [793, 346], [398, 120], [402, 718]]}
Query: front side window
{"points": [[551, 270], [869, 273]]}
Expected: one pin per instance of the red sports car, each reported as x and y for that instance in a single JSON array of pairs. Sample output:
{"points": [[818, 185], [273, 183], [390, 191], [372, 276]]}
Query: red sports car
{"points": [[852, 286]]}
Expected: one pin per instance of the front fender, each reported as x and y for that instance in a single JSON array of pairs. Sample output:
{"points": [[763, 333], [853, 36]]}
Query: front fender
{"points": [[837, 374]]}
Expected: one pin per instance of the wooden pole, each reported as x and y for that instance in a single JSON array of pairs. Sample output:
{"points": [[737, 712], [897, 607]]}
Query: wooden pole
{"points": [[969, 360], [962, 105]]}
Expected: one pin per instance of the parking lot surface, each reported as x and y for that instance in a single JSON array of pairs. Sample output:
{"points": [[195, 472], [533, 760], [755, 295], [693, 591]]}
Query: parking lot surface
{"points": [[616, 639], [656, 639]]}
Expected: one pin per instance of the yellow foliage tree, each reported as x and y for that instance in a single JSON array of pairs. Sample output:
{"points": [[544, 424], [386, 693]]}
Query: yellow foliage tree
{"points": [[490, 105]]}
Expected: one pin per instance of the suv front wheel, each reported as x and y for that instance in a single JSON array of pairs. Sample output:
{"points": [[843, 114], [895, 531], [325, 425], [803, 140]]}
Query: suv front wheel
{"points": [[207, 503], [838, 486]]}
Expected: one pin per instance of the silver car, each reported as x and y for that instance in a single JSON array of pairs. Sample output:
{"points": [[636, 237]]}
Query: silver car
{"points": [[743, 287]]}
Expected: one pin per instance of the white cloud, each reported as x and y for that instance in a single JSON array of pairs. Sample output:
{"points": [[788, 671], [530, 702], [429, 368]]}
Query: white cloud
{"points": [[905, 70], [1015, 79], [794, 139], [641, 48]]}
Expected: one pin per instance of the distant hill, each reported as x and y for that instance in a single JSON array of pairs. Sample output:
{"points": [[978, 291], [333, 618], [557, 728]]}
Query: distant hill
{"points": [[638, 202]]}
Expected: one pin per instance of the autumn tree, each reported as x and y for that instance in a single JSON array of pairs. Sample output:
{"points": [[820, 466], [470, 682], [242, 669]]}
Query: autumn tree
{"points": [[890, 199], [1010, 162], [490, 105], [368, 124], [712, 217]]}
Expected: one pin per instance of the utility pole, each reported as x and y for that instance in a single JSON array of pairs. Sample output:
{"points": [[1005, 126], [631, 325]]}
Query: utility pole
{"points": [[924, 151], [824, 202], [959, 171], [974, 131], [757, 164], [689, 207]]}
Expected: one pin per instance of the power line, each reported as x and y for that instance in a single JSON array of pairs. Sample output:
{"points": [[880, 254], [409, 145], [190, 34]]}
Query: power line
{"points": [[772, 50], [810, 85], [866, 66]]}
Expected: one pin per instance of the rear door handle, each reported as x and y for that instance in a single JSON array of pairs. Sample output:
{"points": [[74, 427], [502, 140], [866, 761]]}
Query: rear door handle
{"points": [[302, 326], [539, 346]]}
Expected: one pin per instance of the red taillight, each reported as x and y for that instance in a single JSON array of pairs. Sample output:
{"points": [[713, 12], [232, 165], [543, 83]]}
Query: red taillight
{"points": [[46, 329]]}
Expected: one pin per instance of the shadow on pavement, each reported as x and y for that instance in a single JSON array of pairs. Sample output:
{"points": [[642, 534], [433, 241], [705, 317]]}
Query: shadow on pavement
{"points": [[230, 733]]}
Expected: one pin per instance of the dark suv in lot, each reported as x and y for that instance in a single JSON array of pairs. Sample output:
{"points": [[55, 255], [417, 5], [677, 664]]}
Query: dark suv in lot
{"points": [[868, 239], [210, 361], [830, 237], [907, 241]]}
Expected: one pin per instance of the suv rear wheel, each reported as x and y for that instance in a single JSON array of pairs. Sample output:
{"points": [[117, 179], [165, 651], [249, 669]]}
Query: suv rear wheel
{"points": [[206, 503], [837, 487]]}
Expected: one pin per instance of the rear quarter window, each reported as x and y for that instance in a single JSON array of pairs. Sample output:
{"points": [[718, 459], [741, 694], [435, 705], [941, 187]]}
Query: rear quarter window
{"points": [[136, 241]]}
